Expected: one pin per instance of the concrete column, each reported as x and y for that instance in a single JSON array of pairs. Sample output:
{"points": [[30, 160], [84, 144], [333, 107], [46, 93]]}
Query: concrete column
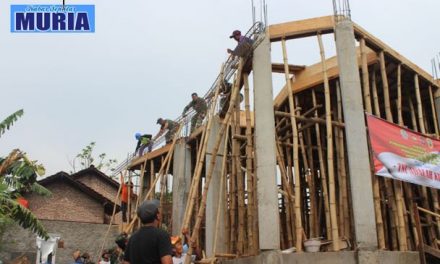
{"points": [[212, 202], [181, 183], [265, 156], [356, 137]]}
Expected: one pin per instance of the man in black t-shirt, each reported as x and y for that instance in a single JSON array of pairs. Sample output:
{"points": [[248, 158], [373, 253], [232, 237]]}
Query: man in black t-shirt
{"points": [[150, 244]]}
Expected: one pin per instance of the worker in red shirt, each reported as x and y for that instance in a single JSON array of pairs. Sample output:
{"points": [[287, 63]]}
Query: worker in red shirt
{"points": [[124, 198]]}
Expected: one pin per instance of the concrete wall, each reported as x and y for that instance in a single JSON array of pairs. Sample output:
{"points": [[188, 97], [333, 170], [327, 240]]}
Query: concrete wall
{"points": [[342, 257], [86, 237], [66, 204]]}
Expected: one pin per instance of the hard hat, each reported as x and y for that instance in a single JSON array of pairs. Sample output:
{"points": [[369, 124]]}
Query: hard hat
{"points": [[137, 135]]}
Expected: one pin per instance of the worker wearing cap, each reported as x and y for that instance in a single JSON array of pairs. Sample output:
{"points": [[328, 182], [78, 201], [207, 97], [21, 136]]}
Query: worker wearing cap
{"points": [[244, 45], [144, 141], [149, 244], [166, 124], [200, 107]]}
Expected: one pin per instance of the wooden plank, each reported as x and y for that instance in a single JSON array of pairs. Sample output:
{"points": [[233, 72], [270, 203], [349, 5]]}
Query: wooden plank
{"points": [[148, 156], [293, 69], [378, 45], [301, 28], [312, 76]]}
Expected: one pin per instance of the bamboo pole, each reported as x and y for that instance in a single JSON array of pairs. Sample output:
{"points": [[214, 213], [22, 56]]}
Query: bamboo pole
{"points": [[330, 165], [238, 172], [413, 115], [234, 189], [399, 95], [313, 186], [323, 173], [220, 193], [419, 105], [249, 167], [298, 223], [365, 77], [290, 178], [212, 163], [343, 175], [386, 92], [287, 188], [152, 175], [141, 188], [375, 97], [434, 112], [311, 205]]}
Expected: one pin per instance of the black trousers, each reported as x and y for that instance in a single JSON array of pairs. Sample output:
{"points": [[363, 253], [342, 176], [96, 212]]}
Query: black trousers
{"points": [[124, 211]]}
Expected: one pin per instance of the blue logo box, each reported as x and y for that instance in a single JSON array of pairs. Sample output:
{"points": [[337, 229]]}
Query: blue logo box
{"points": [[52, 18]]}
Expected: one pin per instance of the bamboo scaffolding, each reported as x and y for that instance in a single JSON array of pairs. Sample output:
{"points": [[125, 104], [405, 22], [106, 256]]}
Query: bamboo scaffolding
{"points": [[161, 171], [365, 77], [330, 165], [223, 174], [423, 131], [212, 163], [395, 199], [249, 168], [313, 186], [323, 174], [343, 172], [201, 159], [401, 208], [287, 188], [312, 203], [298, 222]]}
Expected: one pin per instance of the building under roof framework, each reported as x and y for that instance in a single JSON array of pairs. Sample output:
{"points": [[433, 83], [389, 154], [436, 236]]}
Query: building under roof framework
{"points": [[298, 167]]}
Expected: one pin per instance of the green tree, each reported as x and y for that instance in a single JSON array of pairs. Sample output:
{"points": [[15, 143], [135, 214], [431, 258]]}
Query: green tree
{"points": [[18, 175], [85, 159]]}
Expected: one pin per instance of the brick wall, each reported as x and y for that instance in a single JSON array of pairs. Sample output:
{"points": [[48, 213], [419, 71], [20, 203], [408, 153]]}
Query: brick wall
{"points": [[86, 237], [99, 185], [66, 203], [104, 188]]}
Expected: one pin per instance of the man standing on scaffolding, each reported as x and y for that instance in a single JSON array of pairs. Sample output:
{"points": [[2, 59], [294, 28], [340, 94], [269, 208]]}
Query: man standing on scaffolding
{"points": [[242, 50], [199, 105]]}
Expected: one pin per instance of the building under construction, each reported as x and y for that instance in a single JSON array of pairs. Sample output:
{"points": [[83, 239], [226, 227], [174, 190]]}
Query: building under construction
{"points": [[264, 185]]}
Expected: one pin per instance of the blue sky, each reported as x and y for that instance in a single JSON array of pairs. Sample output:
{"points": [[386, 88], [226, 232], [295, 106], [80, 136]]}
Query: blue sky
{"points": [[145, 60]]}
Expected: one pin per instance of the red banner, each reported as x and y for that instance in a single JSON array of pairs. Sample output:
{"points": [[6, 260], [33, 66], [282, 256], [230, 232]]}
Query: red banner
{"points": [[402, 154]]}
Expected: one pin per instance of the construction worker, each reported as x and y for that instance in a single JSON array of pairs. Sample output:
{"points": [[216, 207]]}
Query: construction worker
{"points": [[199, 105], [166, 124], [149, 244], [144, 141], [244, 45]]}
